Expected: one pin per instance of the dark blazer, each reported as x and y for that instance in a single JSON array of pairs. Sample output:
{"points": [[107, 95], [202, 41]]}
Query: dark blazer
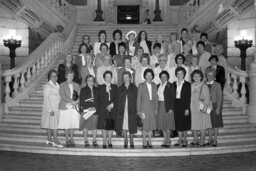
{"points": [[85, 94], [149, 44], [120, 79], [220, 76], [103, 102], [112, 49], [65, 94], [169, 96], [135, 44], [185, 95], [131, 93], [62, 71]]}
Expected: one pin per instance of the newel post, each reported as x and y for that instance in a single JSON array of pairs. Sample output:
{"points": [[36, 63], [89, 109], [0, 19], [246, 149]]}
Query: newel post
{"points": [[251, 107], [1, 97]]}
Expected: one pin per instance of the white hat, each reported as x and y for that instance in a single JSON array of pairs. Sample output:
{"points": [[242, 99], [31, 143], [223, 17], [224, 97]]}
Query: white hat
{"points": [[131, 32]]}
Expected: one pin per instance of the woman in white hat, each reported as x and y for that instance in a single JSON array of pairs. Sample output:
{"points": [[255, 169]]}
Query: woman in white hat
{"points": [[131, 44]]}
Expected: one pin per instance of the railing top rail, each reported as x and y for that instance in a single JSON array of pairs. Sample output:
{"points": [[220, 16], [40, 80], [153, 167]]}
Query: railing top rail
{"points": [[236, 70]]}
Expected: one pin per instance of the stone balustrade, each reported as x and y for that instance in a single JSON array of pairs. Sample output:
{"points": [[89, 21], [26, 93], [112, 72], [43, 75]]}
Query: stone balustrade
{"points": [[62, 7]]}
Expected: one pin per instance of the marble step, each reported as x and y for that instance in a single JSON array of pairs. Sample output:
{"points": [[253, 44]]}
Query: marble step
{"points": [[229, 128], [119, 151], [22, 119], [9, 136]]}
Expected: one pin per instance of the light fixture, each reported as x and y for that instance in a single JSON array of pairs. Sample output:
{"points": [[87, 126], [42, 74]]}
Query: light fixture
{"points": [[12, 41], [243, 42]]}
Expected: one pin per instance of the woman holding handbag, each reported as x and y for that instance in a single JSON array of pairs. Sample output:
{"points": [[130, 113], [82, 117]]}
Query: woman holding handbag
{"points": [[88, 101], [69, 116], [200, 106], [107, 105]]}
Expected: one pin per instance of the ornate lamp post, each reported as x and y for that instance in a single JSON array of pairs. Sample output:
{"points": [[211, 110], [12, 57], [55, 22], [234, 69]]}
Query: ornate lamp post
{"points": [[99, 12], [12, 41], [157, 12], [243, 44]]}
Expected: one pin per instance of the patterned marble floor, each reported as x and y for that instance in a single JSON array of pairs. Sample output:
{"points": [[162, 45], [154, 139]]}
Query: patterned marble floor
{"points": [[13, 161]]}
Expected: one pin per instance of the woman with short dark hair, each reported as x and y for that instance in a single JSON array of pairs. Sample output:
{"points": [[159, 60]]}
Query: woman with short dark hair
{"points": [[166, 98], [127, 109], [107, 105], [144, 64], [88, 101], [114, 46], [182, 114], [50, 112], [147, 106]]}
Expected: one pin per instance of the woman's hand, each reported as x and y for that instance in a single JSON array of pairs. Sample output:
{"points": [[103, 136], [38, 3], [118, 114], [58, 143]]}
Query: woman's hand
{"points": [[186, 112], [51, 113], [170, 112]]}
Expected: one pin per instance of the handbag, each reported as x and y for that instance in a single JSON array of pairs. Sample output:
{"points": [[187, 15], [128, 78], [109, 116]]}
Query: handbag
{"points": [[75, 96], [202, 106]]}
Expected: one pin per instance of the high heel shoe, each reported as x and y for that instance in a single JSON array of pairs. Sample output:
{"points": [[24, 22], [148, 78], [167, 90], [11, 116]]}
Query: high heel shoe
{"points": [[95, 144], [72, 144], [184, 144], [150, 145], [104, 146], [215, 144], [67, 144], [110, 145], [179, 143], [57, 145], [125, 144], [131, 145], [86, 144], [48, 142]]}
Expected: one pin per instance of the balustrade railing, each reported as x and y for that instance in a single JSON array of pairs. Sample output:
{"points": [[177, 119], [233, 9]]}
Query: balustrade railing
{"points": [[190, 8], [237, 83], [21, 80]]}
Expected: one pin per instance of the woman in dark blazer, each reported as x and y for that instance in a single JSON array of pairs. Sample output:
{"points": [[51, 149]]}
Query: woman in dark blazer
{"points": [[220, 71], [107, 105], [147, 106], [166, 99], [63, 68], [114, 48], [88, 100], [182, 114], [127, 109], [144, 42]]}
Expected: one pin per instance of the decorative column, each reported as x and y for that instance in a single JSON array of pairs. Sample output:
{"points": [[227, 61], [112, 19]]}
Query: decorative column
{"points": [[157, 12], [251, 107], [99, 12]]}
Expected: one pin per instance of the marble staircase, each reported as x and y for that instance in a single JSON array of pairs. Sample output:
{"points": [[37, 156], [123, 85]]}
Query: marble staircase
{"points": [[20, 131]]}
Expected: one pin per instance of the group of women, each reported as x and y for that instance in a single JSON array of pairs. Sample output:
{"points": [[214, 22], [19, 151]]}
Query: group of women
{"points": [[120, 86]]}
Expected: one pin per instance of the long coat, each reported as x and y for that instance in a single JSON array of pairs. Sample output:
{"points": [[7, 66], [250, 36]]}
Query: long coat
{"points": [[131, 93], [169, 96], [104, 101], [85, 94]]}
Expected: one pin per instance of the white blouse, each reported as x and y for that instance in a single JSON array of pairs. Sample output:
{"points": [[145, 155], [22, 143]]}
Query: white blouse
{"points": [[178, 90], [160, 92], [71, 89], [149, 90]]}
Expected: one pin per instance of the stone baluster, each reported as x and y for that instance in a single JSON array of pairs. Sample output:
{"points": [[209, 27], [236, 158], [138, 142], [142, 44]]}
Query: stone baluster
{"points": [[228, 82], [16, 85], [1, 96], [8, 79], [46, 60], [28, 76], [38, 67], [243, 89], [251, 107], [235, 86], [42, 63], [33, 72], [22, 80]]}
